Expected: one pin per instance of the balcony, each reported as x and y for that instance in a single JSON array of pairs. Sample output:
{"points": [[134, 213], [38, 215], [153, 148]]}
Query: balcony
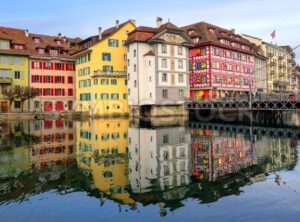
{"points": [[280, 83], [273, 63], [270, 54], [107, 74], [281, 74], [280, 57], [280, 65], [5, 80]]}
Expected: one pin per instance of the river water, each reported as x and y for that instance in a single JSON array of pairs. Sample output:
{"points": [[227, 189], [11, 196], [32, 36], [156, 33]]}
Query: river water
{"points": [[118, 170]]}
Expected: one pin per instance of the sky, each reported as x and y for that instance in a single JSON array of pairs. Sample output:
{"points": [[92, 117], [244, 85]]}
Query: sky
{"points": [[81, 18]]}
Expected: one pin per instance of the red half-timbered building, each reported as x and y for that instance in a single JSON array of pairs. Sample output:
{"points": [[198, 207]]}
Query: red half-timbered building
{"points": [[221, 62]]}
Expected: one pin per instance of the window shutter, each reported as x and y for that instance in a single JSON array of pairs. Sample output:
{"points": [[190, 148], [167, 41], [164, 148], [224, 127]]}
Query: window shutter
{"points": [[32, 78], [52, 79], [44, 65], [41, 92], [89, 56], [63, 79], [32, 64], [73, 67], [52, 92], [44, 92], [109, 56], [44, 78], [63, 92], [117, 43], [41, 65]]}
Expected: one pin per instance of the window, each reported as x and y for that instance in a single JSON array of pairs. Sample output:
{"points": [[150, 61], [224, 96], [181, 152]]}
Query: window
{"points": [[104, 81], [165, 93], [53, 52], [47, 65], [17, 60], [164, 63], [180, 64], [70, 79], [128, 76], [128, 62], [134, 53], [134, 68], [164, 77], [37, 40], [95, 81], [166, 140], [17, 104], [125, 96], [180, 94], [163, 49], [36, 104], [180, 50], [135, 83], [18, 46], [114, 96], [70, 92], [180, 78], [17, 75], [59, 66], [104, 96], [113, 82], [106, 56], [107, 68], [41, 51], [113, 43], [4, 45], [3, 60]]}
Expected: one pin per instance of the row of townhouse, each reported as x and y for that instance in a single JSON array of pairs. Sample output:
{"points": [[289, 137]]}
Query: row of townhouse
{"points": [[140, 70], [40, 61]]}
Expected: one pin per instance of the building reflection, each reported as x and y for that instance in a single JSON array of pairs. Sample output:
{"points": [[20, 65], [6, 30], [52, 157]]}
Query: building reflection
{"points": [[102, 149]]}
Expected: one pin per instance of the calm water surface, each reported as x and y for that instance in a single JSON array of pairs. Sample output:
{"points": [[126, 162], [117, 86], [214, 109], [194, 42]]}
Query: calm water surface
{"points": [[114, 170]]}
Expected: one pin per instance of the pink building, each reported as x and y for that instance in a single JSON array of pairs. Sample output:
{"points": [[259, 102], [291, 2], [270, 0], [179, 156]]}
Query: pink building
{"points": [[52, 71], [221, 62]]}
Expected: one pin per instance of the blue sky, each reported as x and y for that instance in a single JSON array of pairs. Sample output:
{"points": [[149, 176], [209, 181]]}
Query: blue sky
{"points": [[82, 17]]}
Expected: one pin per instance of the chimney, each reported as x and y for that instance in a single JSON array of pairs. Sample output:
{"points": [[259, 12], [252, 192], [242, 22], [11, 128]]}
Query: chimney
{"points": [[59, 35], [233, 31], [26, 33], [100, 33], [158, 22], [133, 21], [117, 24]]}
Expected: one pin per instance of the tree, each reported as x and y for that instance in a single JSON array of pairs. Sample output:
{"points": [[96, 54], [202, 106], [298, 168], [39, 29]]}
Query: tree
{"points": [[25, 93], [9, 94]]}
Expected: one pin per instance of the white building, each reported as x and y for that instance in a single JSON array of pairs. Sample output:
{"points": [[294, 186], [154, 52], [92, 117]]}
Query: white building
{"points": [[157, 69], [158, 158]]}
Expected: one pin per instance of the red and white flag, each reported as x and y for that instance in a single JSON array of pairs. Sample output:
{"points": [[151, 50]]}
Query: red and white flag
{"points": [[273, 34]]}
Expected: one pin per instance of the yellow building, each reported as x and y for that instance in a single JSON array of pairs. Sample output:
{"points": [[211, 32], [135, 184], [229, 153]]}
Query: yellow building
{"points": [[101, 79], [14, 64], [102, 149]]}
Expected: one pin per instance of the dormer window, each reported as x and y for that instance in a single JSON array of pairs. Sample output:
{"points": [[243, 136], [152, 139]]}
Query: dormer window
{"points": [[196, 40], [211, 30], [58, 42], [18, 47], [53, 52], [41, 51], [36, 40], [191, 31]]}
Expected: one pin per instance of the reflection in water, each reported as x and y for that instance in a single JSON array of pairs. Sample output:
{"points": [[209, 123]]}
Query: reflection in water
{"points": [[138, 166]]}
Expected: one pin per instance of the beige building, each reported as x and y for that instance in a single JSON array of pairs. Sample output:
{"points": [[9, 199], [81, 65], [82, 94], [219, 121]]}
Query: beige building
{"points": [[279, 66]]}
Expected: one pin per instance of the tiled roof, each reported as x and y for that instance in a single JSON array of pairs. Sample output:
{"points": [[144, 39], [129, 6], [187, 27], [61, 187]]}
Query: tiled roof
{"points": [[144, 33], [105, 34], [150, 53], [66, 47], [202, 31]]}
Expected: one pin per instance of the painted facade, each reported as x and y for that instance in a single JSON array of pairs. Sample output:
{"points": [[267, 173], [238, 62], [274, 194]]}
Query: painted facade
{"points": [[52, 71], [101, 81], [102, 149], [13, 64], [279, 65], [158, 57], [221, 63]]}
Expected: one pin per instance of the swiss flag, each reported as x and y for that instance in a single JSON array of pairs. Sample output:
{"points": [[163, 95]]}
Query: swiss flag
{"points": [[273, 34]]}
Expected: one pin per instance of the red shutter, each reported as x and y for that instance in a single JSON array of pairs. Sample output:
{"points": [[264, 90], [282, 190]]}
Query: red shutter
{"points": [[41, 92], [63, 92], [52, 65], [63, 79], [32, 78], [41, 65], [44, 78], [41, 79], [63, 66], [44, 92], [52, 79], [52, 92], [73, 67], [44, 65], [32, 64]]}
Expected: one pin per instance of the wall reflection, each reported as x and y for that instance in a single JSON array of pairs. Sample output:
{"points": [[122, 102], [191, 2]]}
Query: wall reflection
{"points": [[131, 165]]}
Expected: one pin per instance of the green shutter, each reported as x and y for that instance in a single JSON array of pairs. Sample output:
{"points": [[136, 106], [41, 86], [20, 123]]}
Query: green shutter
{"points": [[117, 41], [89, 56], [102, 56], [109, 56]]}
